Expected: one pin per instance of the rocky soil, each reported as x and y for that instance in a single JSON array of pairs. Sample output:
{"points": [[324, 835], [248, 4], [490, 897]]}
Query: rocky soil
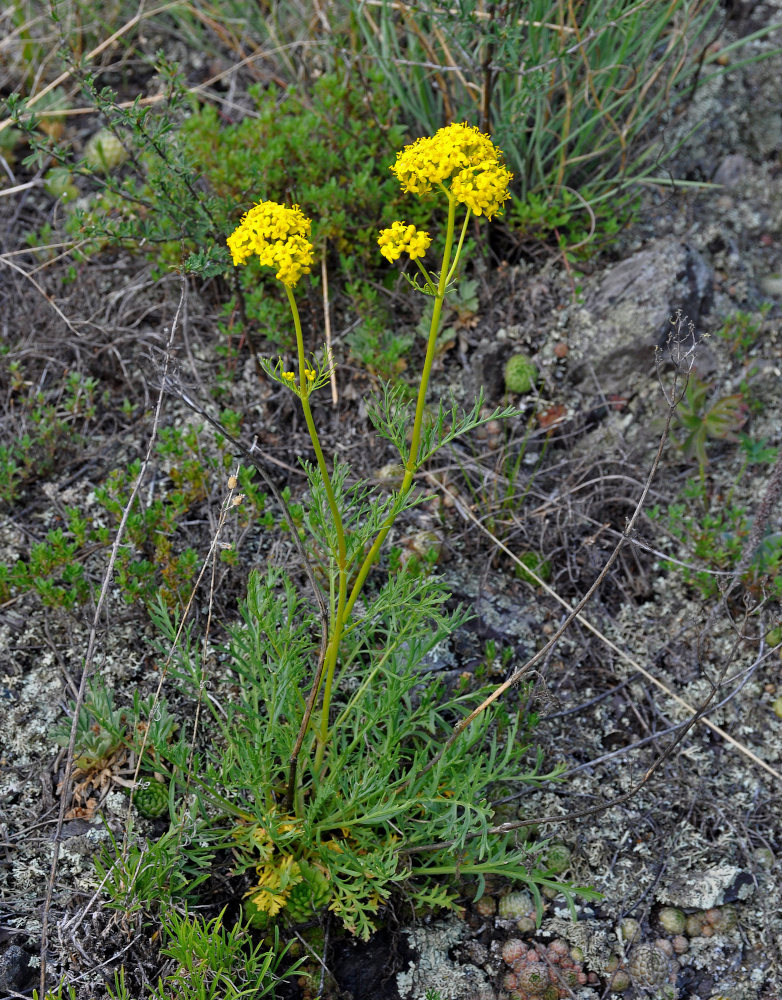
{"points": [[690, 864]]}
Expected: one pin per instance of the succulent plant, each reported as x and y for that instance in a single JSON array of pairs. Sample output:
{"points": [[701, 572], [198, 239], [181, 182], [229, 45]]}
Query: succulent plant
{"points": [[390, 475], [620, 981], [310, 895], [533, 979], [630, 930], [510, 981], [693, 925], [648, 966], [486, 906], [764, 856], [520, 374], [104, 152], [722, 918], [542, 972], [672, 919], [558, 859], [515, 905], [513, 950], [151, 799], [540, 567]]}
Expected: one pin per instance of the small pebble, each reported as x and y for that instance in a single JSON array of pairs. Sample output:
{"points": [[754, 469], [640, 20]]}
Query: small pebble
{"points": [[14, 967]]}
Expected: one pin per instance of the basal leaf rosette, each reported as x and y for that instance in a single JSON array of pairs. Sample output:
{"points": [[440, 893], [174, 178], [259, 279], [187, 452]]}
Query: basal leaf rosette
{"points": [[278, 236], [461, 159]]}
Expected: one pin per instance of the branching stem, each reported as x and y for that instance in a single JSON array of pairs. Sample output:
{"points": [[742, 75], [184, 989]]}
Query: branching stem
{"points": [[345, 603]]}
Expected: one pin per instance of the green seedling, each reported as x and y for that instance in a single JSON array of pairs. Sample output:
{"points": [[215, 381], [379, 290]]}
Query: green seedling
{"points": [[704, 416]]}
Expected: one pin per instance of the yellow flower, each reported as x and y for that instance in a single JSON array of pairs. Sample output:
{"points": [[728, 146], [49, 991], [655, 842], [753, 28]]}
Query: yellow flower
{"points": [[280, 238], [463, 156], [401, 238], [309, 374]]}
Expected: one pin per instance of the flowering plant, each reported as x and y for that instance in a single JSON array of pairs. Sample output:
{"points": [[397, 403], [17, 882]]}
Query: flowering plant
{"points": [[348, 791]]}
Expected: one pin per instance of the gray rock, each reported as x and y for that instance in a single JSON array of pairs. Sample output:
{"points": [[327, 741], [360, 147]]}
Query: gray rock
{"points": [[628, 312], [771, 284], [733, 171], [707, 888], [434, 969], [14, 968]]}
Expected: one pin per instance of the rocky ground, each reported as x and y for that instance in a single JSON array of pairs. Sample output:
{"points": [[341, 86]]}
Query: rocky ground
{"points": [[690, 864]]}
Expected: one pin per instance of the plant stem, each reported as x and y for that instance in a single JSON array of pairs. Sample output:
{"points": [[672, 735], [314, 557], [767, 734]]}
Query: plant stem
{"points": [[305, 405], [411, 464], [339, 618], [345, 604], [459, 247]]}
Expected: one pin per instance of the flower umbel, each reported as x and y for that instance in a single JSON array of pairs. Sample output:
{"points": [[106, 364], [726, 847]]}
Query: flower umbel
{"points": [[280, 238], [463, 156], [401, 238]]}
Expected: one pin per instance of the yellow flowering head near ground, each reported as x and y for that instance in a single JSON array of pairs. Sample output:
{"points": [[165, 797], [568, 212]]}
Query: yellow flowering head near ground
{"points": [[279, 236], [462, 157], [401, 238]]}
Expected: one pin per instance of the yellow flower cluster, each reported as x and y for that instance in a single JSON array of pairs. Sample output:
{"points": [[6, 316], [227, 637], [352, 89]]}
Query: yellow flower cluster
{"points": [[280, 238], [401, 238], [464, 156]]}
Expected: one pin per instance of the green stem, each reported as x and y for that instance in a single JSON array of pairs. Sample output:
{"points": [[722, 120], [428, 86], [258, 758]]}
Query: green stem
{"points": [[411, 464], [331, 662], [339, 619], [427, 277], [305, 405], [459, 247], [412, 461]]}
